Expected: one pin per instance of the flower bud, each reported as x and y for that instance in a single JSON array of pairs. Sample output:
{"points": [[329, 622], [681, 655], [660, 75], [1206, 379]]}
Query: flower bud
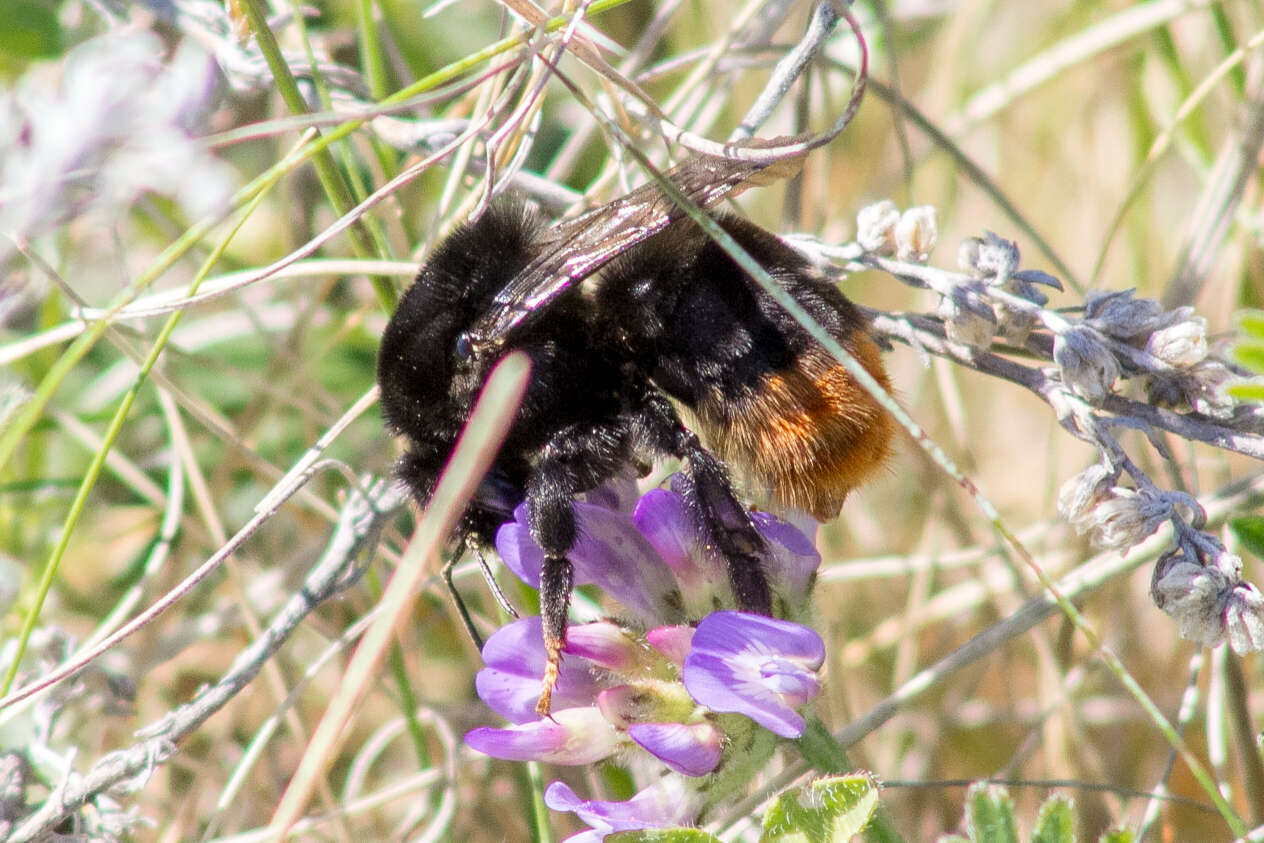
{"points": [[967, 318], [1088, 367], [915, 234], [1182, 344], [1120, 315], [875, 227], [1124, 518]]}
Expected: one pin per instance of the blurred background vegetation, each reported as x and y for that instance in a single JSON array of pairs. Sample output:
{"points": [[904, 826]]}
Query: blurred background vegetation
{"points": [[1125, 135]]}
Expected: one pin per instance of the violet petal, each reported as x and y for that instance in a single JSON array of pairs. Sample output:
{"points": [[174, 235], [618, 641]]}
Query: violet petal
{"points": [[604, 643], [793, 558], [691, 750], [761, 667], [609, 552], [510, 684], [573, 736], [667, 803], [673, 642]]}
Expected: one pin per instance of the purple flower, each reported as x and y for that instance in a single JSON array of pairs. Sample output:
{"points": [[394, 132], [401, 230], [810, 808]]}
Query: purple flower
{"points": [[664, 520], [609, 552], [510, 684], [691, 750], [573, 736], [654, 683], [667, 803], [761, 667]]}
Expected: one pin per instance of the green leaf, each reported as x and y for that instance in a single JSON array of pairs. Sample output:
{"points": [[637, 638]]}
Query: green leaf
{"points": [[1250, 532], [1251, 355], [832, 809], [1248, 391], [1116, 835], [663, 835], [1251, 323], [1055, 823], [990, 815], [30, 30]]}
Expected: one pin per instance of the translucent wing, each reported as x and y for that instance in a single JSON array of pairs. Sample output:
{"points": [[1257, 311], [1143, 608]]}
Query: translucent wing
{"points": [[576, 248]]}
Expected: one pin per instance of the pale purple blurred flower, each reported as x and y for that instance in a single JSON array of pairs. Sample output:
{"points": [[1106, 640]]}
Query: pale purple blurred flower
{"points": [[113, 121]]}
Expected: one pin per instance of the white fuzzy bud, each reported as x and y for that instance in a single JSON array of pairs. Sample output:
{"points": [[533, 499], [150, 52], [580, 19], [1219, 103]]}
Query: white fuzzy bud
{"points": [[915, 234], [1181, 344], [875, 227]]}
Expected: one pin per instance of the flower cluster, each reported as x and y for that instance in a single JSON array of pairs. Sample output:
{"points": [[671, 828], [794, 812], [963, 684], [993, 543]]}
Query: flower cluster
{"points": [[1118, 336], [1172, 346], [1209, 599], [116, 121], [1197, 582], [701, 699]]}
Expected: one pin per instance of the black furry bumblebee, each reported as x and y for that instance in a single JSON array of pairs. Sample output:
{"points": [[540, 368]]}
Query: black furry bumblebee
{"points": [[626, 312]]}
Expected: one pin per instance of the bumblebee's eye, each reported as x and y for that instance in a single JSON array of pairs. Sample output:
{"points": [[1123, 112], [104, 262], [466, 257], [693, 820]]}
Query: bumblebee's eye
{"points": [[464, 346]]}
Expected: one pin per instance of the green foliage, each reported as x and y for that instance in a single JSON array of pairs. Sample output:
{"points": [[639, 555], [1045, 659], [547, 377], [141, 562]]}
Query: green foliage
{"points": [[663, 835], [990, 815], [30, 31], [1055, 823], [1250, 353], [1249, 530], [834, 808], [990, 819]]}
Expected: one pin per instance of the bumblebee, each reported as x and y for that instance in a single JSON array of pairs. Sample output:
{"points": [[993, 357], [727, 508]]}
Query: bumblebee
{"points": [[627, 313]]}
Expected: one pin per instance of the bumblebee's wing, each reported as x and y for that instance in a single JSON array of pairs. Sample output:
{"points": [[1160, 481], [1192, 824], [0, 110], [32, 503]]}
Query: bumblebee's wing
{"points": [[574, 249]]}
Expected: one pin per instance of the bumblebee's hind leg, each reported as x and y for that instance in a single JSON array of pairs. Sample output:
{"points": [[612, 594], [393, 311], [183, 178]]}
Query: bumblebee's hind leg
{"points": [[721, 518], [576, 459]]}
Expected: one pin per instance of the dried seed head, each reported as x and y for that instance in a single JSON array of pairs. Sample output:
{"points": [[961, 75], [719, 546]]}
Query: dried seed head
{"points": [[1199, 388], [1193, 594], [1088, 367], [1244, 619], [992, 257]]}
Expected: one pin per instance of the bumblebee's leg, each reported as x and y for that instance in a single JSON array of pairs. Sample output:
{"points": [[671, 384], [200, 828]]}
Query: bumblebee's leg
{"points": [[493, 585], [575, 459], [470, 542], [721, 517], [457, 599]]}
